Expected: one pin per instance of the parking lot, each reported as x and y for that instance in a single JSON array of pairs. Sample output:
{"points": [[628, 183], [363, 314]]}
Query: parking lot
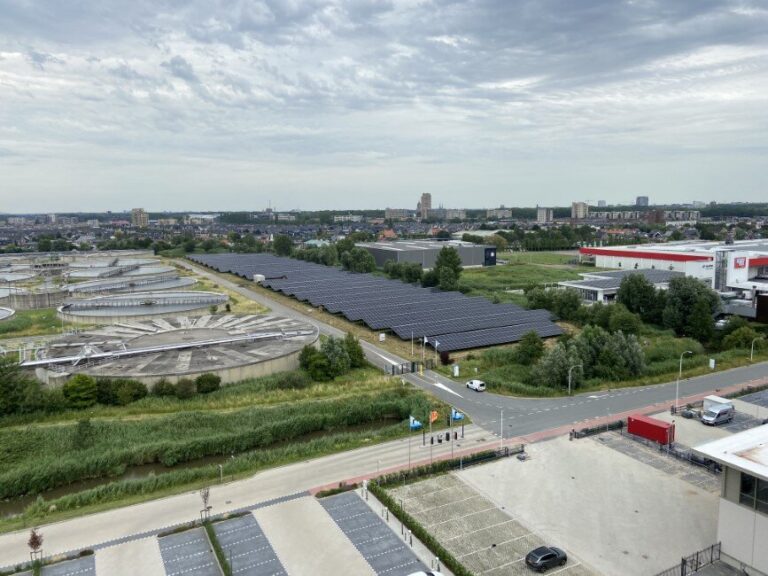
{"points": [[188, 553], [247, 548], [480, 534], [615, 513], [387, 553]]}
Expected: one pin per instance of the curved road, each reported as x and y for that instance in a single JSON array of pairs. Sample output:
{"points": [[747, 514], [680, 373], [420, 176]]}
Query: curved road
{"points": [[521, 416]]}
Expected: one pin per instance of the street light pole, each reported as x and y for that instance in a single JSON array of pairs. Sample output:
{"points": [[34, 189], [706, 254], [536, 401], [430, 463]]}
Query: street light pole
{"points": [[501, 435], [569, 375], [752, 349], [679, 375]]}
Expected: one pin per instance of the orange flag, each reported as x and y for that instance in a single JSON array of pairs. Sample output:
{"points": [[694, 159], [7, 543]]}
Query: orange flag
{"points": [[433, 416]]}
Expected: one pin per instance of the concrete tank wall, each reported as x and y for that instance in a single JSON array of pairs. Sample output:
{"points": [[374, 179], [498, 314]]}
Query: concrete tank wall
{"points": [[231, 375], [34, 300]]}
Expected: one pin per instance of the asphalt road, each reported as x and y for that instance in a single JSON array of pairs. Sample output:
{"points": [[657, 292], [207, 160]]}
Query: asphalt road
{"points": [[520, 416]]}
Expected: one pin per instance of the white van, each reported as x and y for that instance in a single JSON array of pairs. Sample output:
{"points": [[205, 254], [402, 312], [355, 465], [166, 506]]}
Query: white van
{"points": [[476, 385], [718, 415]]}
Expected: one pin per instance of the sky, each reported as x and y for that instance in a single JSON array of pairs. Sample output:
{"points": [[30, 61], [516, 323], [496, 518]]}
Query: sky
{"points": [[332, 104]]}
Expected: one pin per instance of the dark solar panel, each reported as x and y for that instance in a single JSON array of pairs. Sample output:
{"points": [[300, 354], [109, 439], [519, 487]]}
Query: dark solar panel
{"points": [[454, 320]]}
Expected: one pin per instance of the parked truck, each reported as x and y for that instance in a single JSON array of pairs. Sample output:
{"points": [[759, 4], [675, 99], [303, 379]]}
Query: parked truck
{"points": [[717, 410]]}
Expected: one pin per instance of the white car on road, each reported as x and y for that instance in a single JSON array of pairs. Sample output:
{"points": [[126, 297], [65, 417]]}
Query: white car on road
{"points": [[476, 385]]}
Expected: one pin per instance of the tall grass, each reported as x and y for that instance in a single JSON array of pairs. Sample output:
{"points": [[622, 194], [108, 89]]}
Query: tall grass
{"points": [[40, 458]]}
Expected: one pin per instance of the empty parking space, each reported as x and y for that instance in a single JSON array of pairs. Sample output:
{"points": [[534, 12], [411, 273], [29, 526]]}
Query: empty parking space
{"points": [[660, 460], [188, 553], [384, 550], [484, 538], [85, 566], [247, 548]]}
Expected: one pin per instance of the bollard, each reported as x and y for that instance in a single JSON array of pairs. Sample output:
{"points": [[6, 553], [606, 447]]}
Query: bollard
{"points": [[387, 514], [410, 538]]}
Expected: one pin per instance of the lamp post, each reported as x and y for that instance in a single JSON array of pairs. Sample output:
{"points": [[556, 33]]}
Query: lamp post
{"points": [[752, 349], [569, 375], [501, 431], [679, 375]]}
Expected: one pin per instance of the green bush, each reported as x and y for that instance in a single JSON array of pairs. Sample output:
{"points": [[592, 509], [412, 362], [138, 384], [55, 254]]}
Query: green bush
{"points": [[185, 388], [80, 391], [207, 383], [164, 388]]}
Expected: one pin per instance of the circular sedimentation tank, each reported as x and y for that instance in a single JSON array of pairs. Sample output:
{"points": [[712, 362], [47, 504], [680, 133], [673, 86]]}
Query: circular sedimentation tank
{"points": [[6, 313], [110, 309], [11, 277], [234, 347]]}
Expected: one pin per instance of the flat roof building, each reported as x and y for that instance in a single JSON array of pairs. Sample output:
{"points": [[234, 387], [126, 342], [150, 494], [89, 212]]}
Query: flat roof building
{"points": [[742, 526], [425, 252], [603, 286]]}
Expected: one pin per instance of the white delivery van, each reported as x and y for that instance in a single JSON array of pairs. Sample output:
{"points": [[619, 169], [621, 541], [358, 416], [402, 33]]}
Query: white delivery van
{"points": [[717, 410]]}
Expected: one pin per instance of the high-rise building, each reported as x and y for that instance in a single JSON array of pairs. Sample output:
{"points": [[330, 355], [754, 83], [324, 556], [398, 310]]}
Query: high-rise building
{"points": [[424, 206], [641, 201], [139, 218], [544, 215], [602, 204], [579, 210]]}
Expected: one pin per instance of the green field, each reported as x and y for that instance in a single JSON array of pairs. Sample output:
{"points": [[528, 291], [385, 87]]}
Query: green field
{"points": [[548, 258], [30, 323]]}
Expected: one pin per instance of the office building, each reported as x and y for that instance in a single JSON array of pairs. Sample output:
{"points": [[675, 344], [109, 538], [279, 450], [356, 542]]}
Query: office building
{"points": [[579, 210], [641, 201], [398, 214], [139, 218], [544, 215], [424, 205]]}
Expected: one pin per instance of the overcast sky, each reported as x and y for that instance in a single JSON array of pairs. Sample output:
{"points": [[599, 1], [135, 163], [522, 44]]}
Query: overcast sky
{"points": [[230, 105]]}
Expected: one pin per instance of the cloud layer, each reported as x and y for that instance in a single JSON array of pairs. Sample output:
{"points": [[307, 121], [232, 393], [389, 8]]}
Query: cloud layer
{"points": [[364, 103]]}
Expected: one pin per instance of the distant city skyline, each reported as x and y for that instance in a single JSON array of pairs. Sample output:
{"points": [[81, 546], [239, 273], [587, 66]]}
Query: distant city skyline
{"points": [[353, 104]]}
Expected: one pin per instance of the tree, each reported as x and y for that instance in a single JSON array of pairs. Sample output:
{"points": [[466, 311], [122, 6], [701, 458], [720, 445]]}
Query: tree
{"points": [[448, 257], [337, 356], [742, 338], [700, 324], [639, 296], [622, 320], [282, 245], [529, 349], [566, 304], [35, 544], [80, 391], [207, 383], [682, 297], [448, 281], [354, 351], [499, 242], [358, 260], [185, 388], [13, 386], [130, 391]]}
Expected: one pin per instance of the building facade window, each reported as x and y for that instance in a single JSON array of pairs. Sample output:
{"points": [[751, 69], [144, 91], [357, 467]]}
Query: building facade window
{"points": [[753, 492]]}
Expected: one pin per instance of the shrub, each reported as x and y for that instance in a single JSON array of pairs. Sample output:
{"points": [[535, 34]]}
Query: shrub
{"points": [[129, 391], [354, 351], [207, 383], [185, 388], [80, 391], [164, 388]]}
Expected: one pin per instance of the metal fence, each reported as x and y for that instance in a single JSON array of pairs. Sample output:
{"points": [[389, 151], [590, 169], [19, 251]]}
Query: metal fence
{"points": [[674, 451], [695, 562]]}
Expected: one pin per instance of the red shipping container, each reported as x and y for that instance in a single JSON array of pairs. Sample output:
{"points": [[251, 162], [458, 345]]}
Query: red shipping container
{"points": [[652, 429]]}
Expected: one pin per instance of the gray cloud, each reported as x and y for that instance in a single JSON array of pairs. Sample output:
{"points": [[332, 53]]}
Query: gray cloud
{"points": [[479, 102]]}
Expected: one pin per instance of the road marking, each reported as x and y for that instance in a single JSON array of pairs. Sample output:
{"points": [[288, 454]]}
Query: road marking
{"points": [[444, 387]]}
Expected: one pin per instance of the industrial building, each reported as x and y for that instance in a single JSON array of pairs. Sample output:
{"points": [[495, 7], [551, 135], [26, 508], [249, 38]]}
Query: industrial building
{"points": [[603, 286], [742, 527], [425, 252], [737, 270]]}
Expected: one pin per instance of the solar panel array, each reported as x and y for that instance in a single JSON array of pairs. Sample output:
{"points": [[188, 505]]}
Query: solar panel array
{"points": [[448, 320]]}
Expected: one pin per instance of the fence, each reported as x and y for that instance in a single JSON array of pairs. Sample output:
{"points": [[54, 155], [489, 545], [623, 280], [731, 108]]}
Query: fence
{"points": [[695, 562], [680, 453]]}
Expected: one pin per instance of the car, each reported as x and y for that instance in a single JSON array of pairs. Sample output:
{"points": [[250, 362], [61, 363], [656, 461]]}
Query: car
{"points": [[476, 385], [545, 557]]}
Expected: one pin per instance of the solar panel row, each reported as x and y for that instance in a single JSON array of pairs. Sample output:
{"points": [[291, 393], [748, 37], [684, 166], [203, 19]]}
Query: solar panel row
{"points": [[448, 320]]}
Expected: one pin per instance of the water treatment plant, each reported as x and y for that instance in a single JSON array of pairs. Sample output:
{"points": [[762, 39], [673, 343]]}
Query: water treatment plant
{"points": [[234, 347]]}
